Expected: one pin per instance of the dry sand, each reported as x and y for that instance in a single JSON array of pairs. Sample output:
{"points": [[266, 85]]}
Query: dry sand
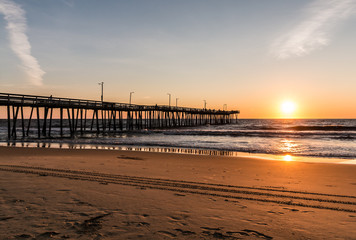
{"points": [[103, 194]]}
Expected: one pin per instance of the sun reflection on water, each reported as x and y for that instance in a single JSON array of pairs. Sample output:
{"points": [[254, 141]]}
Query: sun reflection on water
{"points": [[288, 146]]}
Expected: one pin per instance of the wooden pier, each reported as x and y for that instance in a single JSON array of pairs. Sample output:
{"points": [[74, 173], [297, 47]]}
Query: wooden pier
{"points": [[29, 115]]}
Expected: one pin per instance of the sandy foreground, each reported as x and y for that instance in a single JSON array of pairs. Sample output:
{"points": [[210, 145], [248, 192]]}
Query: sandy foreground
{"points": [[103, 194]]}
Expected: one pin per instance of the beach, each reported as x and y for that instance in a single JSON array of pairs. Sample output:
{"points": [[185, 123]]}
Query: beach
{"points": [[177, 120], [111, 194]]}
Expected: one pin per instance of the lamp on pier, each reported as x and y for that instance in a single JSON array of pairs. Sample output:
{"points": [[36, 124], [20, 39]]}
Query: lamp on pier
{"points": [[131, 96], [169, 99], [102, 90], [225, 107]]}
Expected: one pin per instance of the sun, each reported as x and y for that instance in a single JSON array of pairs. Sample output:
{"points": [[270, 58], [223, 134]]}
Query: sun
{"points": [[288, 107]]}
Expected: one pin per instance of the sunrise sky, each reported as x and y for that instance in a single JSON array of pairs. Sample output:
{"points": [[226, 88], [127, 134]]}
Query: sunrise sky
{"points": [[251, 55]]}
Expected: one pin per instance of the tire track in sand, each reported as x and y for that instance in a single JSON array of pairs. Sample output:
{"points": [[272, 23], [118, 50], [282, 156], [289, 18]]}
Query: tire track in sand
{"points": [[334, 202]]}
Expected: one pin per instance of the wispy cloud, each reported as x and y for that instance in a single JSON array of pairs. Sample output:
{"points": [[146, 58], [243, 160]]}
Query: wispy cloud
{"points": [[16, 27], [69, 3], [315, 31]]}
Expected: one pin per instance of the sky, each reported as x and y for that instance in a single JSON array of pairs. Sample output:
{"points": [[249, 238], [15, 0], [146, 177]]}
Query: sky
{"points": [[251, 55]]}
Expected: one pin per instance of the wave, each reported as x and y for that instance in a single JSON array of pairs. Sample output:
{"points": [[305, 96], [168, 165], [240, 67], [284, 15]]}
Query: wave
{"points": [[305, 132], [323, 128], [267, 134], [314, 138], [301, 128]]}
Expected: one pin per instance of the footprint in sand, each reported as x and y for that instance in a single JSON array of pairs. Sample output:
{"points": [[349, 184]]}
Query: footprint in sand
{"points": [[278, 213], [212, 228], [179, 220], [137, 224], [92, 224], [179, 195], [130, 158], [83, 214], [218, 235], [185, 232], [23, 236], [173, 218], [179, 217], [246, 232], [167, 234], [5, 218], [257, 234], [81, 203], [46, 235], [292, 209], [237, 232], [255, 222]]}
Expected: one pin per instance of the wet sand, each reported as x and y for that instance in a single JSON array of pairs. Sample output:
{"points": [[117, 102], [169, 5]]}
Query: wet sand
{"points": [[103, 194]]}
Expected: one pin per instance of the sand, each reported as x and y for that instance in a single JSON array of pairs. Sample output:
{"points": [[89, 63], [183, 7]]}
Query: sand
{"points": [[103, 194]]}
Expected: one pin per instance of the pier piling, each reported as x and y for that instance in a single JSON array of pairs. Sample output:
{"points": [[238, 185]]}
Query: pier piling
{"points": [[114, 117]]}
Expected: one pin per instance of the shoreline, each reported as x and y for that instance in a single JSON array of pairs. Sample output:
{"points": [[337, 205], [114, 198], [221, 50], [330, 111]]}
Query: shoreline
{"points": [[181, 150], [90, 194]]}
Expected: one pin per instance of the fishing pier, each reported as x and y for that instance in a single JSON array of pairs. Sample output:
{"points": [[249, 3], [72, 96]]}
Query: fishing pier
{"points": [[43, 116]]}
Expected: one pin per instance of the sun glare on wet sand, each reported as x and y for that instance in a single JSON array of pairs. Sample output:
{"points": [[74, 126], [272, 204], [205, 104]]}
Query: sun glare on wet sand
{"points": [[287, 158]]}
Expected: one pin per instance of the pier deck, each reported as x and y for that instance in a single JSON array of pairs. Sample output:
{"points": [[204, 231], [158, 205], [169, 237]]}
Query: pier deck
{"points": [[81, 116]]}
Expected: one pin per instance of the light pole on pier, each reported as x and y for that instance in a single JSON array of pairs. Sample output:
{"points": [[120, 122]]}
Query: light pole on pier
{"points": [[102, 90], [177, 102], [169, 99], [131, 96], [225, 107], [204, 104]]}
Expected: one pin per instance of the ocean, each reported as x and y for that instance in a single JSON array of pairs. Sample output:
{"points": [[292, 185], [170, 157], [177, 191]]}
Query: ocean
{"points": [[321, 138]]}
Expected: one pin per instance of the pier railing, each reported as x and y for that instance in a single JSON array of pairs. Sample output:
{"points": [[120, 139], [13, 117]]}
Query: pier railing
{"points": [[106, 116]]}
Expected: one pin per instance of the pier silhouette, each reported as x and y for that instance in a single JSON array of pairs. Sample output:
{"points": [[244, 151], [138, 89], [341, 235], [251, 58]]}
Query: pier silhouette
{"points": [[80, 116]]}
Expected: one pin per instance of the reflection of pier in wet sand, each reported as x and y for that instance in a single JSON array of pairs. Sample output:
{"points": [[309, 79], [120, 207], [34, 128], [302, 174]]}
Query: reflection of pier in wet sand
{"points": [[78, 116], [156, 149]]}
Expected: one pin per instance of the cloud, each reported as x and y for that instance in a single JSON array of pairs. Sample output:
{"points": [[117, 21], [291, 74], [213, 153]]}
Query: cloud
{"points": [[16, 27], [69, 3], [315, 31]]}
